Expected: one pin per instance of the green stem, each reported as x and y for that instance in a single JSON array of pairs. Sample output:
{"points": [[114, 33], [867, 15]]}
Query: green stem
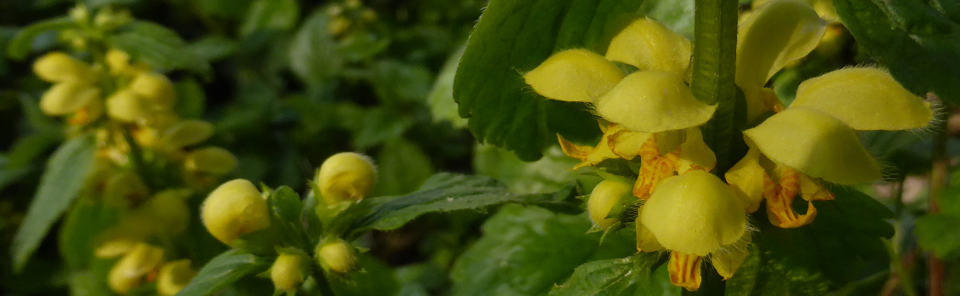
{"points": [[714, 62], [938, 181]]}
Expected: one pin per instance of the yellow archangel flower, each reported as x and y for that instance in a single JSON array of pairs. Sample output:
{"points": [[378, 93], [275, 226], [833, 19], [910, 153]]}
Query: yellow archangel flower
{"points": [[73, 91], [234, 209], [651, 113], [173, 276], [133, 268], [815, 137]]}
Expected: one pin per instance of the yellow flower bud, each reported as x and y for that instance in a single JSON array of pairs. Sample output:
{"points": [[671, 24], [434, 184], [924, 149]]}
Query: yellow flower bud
{"points": [[816, 144], [156, 88], [128, 273], [186, 132], [115, 247], [652, 101], [119, 64], [212, 160], [575, 75], [234, 209], [694, 213], [337, 256], [169, 211], [603, 198], [288, 271], [126, 106], [173, 276], [649, 45], [864, 98], [68, 97], [60, 67], [346, 176]]}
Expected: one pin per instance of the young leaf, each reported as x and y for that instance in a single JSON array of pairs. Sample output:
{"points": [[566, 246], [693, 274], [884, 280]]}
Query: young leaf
{"points": [[22, 43], [158, 46], [223, 270], [632, 275], [64, 177], [916, 40], [938, 233], [285, 209], [515, 36], [85, 222], [313, 52]]}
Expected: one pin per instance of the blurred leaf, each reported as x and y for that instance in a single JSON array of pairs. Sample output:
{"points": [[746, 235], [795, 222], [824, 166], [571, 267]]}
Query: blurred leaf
{"points": [[265, 15], [37, 120], [440, 100], [83, 225], [513, 37], [550, 173], [938, 234], [100, 3], [223, 270], [525, 251], [402, 167], [24, 156], [375, 278], [919, 44], [212, 48], [91, 281], [359, 47], [22, 43], [378, 125], [443, 192], [397, 82], [158, 46], [285, 210], [191, 99], [230, 9], [313, 52], [632, 275], [64, 177]]}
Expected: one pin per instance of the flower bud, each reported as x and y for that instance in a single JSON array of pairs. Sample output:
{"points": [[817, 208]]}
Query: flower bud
{"points": [[234, 209], [288, 271], [603, 198], [186, 132], [212, 160], [130, 270], [346, 176], [60, 67], [156, 88], [67, 97], [173, 276], [126, 106], [115, 247], [337, 256], [169, 211]]}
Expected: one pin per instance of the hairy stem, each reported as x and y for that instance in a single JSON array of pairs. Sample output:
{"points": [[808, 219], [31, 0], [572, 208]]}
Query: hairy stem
{"points": [[714, 62]]}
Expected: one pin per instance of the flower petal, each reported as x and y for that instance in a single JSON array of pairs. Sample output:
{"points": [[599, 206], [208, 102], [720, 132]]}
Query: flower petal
{"points": [[653, 101], [627, 144], [574, 75], [727, 260], [816, 144], [865, 99], [646, 242], [746, 178], [649, 45], [67, 97], [684, 270], [780, 203], [588, 156], [694, 153], [778, 33]]}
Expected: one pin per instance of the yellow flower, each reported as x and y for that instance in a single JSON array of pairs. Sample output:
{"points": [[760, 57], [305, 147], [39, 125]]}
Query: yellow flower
{"points": [[130, 271], [119, 64], [694, 215], [60, 67], [346, 176], [68, 97], [173, 276], [155, 88], [211, 160], [337, 256], [288, 271], [186, 133], [234, 209]]}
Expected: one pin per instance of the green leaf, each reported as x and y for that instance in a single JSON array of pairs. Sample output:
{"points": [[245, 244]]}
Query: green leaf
{"points": [[440, 100], [938, 234], [374, 279], [513, 37], [402, 167], [85, 222], [380, 124], [191, 99], [528, 250], [223, 270], [313, 52], [550, 173], [266, 15], [397, 82], [285, 210], [22, 43], [158, 46], [632, 275], [64, 177], [212, 48], [918, 42], [443, 192], [101, 3]]}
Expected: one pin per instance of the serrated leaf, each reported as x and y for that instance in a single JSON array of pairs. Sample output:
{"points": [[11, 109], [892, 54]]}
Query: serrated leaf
{"points": [[22, 43], [223, 270], [513, 37], [632, 275], [64, 177], [918, 42], [265, 15], [938, 234], [443, 192], [158, 46]]}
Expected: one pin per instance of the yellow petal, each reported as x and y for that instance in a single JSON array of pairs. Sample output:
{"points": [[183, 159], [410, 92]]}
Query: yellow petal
{"points": [[173, 276], [816, 144], [694, 213], [603, 198], [649, 45], [865, 99], [129, 272], [186, 133], [114, 247], [288, 272], [778, 33], [67, 97], [653, 101], [60, 67], [727, 260], [694, 153], [684, 270], [211, 160], [826, 10], [746, 177], [627, 144], [646, 242], [233, 209], [810, 189], [169, 212], [589, 156], [126, 106], [574, 75], [156, 88], [780, 210]]}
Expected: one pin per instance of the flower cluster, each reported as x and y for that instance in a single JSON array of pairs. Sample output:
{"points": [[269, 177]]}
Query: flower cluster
{"points": [[651, 114]]}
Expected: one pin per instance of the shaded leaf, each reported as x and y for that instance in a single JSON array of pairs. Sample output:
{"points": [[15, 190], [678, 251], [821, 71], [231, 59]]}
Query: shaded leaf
{"points": [[22, 43], [938, 234], [223, 270], [402, 166], [632, 275], [264, 15], [158, 46]]}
